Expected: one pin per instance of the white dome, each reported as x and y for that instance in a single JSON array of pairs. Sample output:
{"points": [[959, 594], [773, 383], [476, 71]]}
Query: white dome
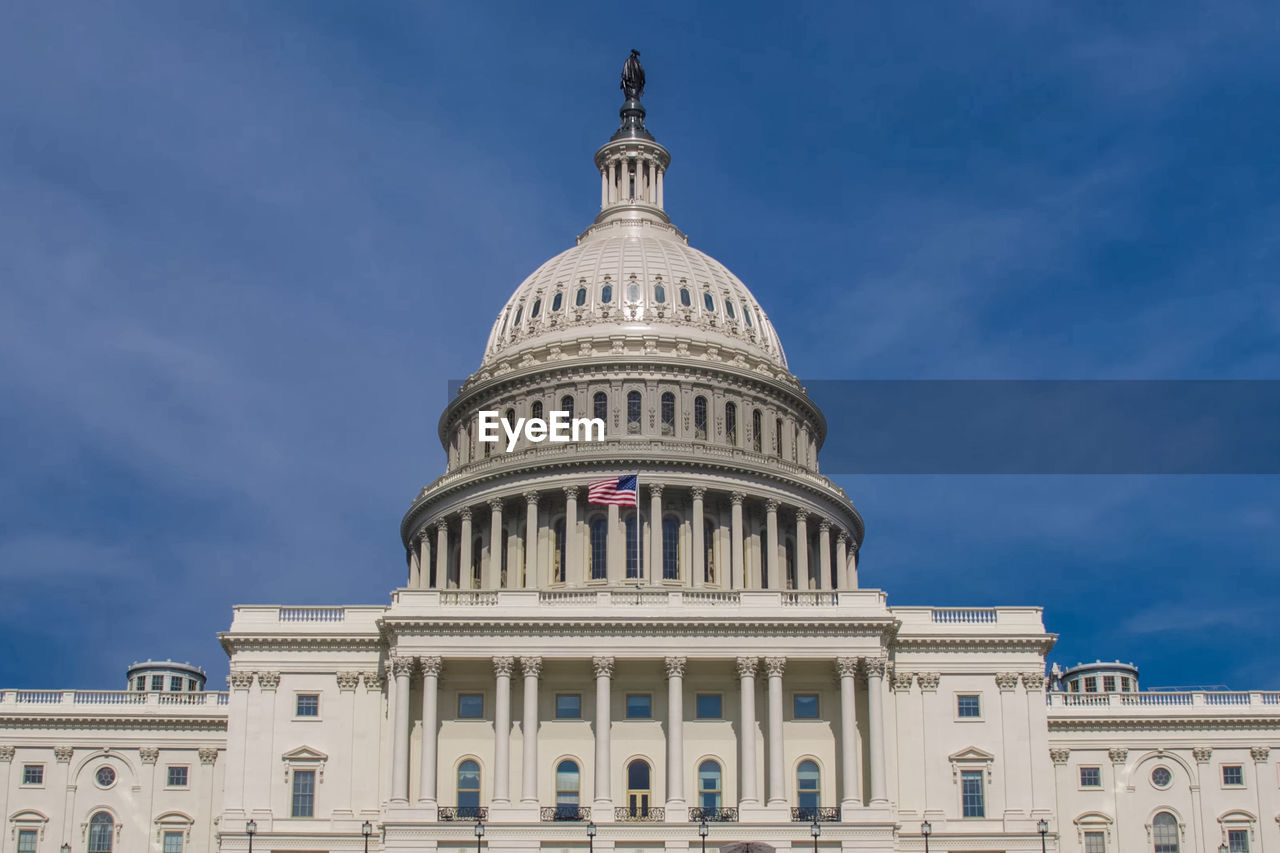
{"points": [[636, 278]]}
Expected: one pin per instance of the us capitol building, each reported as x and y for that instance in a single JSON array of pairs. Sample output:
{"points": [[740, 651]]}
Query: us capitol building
{"points": [[557, 675]]}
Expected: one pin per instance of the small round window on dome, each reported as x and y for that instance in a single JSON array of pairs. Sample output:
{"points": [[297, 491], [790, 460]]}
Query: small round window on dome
{"points": [[728, 309], [537, 309], [685, 300], [557, 302], [606, 294], [633, 292], [659, 294], [581, 298], [709, 301]]}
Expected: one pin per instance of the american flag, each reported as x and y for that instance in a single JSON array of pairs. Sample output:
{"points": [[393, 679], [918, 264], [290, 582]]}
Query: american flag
{"points": [[617, 491]]}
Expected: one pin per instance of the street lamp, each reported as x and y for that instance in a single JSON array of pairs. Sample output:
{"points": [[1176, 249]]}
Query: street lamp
{"points": [[250, 828], [591, 836], [815, 831], [367, 829], [479, 833], [702, 833], [926, 829], [1043, 826]]}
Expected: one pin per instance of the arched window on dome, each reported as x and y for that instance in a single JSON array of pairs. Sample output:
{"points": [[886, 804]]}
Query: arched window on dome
{"points": [[668, 413], [633, 291], [566, 405], [809, 786], [567, 785], [777, 436], [581, 298], [708, 301], [708, 551], [468, 790], [535, 411], [728, 309], [670, 548], [757, 431], [700, 418], [502, 329], [746, 315], [557, 302], [635, 558], [506, 550], [599, 534], [685, 299], [731, 423], [633, 411], [558, 550], [519, 312], [659, 294], [709, 785], [102, 833], [600, 406], [537, 309], [1164, 832], [606, 294]]}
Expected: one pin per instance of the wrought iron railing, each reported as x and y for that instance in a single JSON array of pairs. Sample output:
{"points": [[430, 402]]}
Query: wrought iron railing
{"points": [[808, 814], [565, 813], [462, 813], [652, 814], [720, 815]]}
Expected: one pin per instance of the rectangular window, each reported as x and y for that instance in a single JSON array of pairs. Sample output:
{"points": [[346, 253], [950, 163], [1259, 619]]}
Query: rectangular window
{"points": [[568, 706], [1075, 685], [1238, 840], [972, 799], [470, 706], [1095, 842], [709, 706], [26, 841], [308, 705], [1091, 684], [972, 796], [1109, 683], [177, 776], [639, 706], [1124, 684], [969, 706], [304, 793], [191, 685], [1232, 774], [805, 706], [173, 842], [33, 774], [1090, 777], [175, 683], [140, 682], [157, 682]]}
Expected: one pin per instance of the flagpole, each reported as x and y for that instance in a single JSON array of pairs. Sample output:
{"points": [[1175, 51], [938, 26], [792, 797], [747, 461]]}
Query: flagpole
{"points": [[639, 568]]}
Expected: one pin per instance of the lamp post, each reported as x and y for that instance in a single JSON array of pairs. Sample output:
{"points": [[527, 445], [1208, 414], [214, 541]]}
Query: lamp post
{"points": [[591, 836], [926, 829], [367, 829], [815, 831], [1043, 826], [250, 828], [479, 833], [702, 833]]}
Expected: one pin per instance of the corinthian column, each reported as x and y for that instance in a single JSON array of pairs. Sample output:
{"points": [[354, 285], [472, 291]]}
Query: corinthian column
{"points": [[802, 549], [430, 720], [824, 555], [698, 569], [735, 545], [465, 580], [400, 668], [502, 667], [655, 531], [876, 668], [442, 555], [771, 545], [493, 575], [675, 733], [531, 667], [603, 771], [531, 540], [574, 575], [424, 559], [749, 795], [847, 669], [777, 786], [842, 560]]}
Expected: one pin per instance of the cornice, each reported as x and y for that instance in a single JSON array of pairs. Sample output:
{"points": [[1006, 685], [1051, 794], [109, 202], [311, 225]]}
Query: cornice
{"points": [[749, 626], [1163, 724], [64, 721], [1038, 643], [233, 643]]}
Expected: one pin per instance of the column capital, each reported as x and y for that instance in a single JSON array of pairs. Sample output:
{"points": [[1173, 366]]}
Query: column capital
{"points": [[802, 515], [268, 680], [372, 679], [699, 492], [655, 490], [1059, 755], [901, 681], [846, 667], [1033, 680], [465, 513], [347, 679], [208, 754], [929, 680], [495, 504], [877, 666], [423, 535], [842, 537], [531, 665], [431, 664], [1118, 754], [571, 493], [747, 667], [442, 524], [736, 498], [63, 754], [400, 665], [503, 665], [824, 526], [531, 498], [1260, 754], [7, 752], [149, 754], [1202, 754], [772, 504], [240, 680], [1006, 681], [775, 665], [603, 666], [675, 666]]}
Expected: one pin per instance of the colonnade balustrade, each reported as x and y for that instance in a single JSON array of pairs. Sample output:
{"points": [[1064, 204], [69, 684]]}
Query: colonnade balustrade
{"points": [[605, 804], [682, 536]]}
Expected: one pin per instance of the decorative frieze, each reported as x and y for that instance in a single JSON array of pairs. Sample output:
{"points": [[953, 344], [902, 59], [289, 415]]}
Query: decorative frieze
{"points": [[675, 666], [929, 681], [1059, 756], [268, 680], [1006, 681], [208, 754], [1260, 753], [1118, 754], [348, 680], [63, 753], [149, 754]]}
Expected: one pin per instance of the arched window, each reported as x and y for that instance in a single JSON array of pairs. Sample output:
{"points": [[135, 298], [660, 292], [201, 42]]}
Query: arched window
{"points": [[633, 292], [581, 298], [700, 418], [633, 411], [102, 833], [709, 785], [709, 301], [502, 581], [685, 299], [557, 302], [638, 791], [599, 548], [670, 548], [731, 422], [777, 436], [600, 404], [557, 550], [566, 405], [789, 558], [757, 431], [659, 294], [510, 416], [746, 315], [668, 413], [506, 317], [535, 411], [708, 552], [567, 784], [728, 309], [1164, 832], [468, 790], [476, 558], [606, 294], [633, 547], [537, 309], [808, 786]]}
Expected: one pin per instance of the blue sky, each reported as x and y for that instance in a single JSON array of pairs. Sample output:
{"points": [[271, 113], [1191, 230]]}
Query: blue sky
{"points": [[245, 244]]}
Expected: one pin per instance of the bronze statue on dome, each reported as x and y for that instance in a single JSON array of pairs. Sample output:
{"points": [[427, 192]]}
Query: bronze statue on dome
{"points": [[632, 77]]}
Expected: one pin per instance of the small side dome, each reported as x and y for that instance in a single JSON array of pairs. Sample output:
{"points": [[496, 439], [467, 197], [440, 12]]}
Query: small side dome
{"points": [[164, 676]]}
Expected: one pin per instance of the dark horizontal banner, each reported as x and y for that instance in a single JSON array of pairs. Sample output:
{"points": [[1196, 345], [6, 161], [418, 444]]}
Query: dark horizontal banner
{"points": [[1049, 426]]}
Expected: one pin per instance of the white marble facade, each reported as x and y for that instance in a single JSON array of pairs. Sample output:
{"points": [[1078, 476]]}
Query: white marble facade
{"points": [[586, 677]]}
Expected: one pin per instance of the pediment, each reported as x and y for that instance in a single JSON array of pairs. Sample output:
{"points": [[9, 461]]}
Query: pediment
{"points": [[971, 753], [304, 753]]}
